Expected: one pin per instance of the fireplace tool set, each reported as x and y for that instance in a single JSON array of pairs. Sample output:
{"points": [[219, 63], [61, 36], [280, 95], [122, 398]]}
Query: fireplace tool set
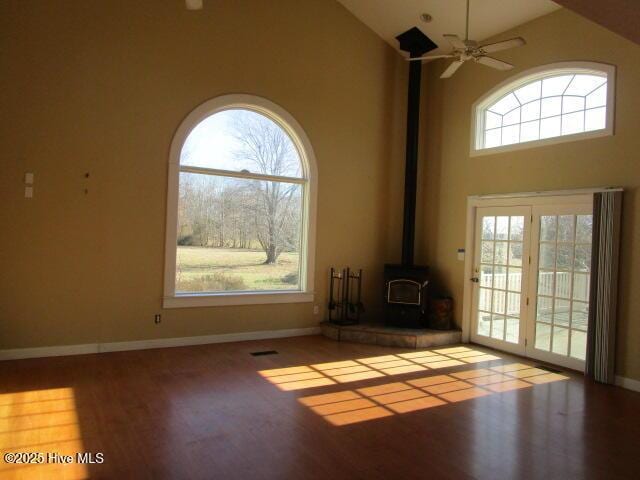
{"points": [[345, 296]]}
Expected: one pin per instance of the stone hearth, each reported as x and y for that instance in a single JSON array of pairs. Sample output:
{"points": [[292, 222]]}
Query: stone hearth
{"points": [[376, 334]]}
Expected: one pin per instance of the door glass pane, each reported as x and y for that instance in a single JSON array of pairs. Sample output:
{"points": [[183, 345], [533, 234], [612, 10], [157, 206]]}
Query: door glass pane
{"points": [[564, 258], [501, 253], [548, 255], [514, 282], [499, 301], [500, 277], [488, 228], [584, 227], [543, 337], [487, 252], [486, 276], [581, 286], [497, 329], [579, 315], [502, 228], [513, 329], [565, 228], [517, 229], [583, 258], [484, 302], [545, 310], [513, 304], [548, 228], [561, 312], [560, 341], [563, 284], [515, 253], [484, 323], [578, 344], [545, 283]]}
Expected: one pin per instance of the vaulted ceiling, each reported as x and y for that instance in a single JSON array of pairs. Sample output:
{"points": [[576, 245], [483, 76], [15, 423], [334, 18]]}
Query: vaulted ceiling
{"points": [[389, 18], [620, 16]]}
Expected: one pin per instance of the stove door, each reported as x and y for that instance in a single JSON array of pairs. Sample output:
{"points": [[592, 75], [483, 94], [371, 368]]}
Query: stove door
{"points": [[404, 291]]}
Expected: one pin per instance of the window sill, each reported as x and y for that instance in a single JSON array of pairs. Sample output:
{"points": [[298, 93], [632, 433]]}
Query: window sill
{"points": [[236, 298], [603, 132]]}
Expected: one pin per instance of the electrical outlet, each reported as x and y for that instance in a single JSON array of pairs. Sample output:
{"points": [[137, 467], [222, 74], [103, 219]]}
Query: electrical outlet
{"points": [[157, 319], [316, 309]]}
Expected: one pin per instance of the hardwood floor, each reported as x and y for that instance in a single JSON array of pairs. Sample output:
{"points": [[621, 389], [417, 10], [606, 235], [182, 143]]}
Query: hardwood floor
{"points": [[216, 412]]}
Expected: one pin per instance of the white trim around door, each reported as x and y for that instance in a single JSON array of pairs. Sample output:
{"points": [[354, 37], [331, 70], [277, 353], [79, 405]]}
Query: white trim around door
{"points": [[571, 206]]}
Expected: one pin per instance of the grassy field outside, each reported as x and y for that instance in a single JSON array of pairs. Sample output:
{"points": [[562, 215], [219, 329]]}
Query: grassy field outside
{"points": [[203, 269]]}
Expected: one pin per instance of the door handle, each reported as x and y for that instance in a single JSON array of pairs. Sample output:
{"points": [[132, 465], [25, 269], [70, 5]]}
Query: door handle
{"points": [[475, 279]]}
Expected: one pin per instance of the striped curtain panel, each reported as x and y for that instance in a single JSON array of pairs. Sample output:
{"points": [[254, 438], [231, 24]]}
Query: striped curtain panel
{"points": [[601, 336]]}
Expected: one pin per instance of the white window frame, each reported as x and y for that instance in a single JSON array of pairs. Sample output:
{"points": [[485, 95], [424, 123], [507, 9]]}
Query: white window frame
{"points": [[531, 75], [274, 112]]}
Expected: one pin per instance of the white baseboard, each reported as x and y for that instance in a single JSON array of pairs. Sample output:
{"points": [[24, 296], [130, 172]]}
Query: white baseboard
{"points": [[63, 350], [628, 383], [57, 351]]}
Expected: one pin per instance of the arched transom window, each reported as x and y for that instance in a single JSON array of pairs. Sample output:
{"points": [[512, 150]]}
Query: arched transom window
{"points": [[241, 214], [550, 104]]}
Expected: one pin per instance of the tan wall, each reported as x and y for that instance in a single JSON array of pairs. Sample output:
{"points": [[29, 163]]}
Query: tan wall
{"points": [[101, 86], [451, 175]]}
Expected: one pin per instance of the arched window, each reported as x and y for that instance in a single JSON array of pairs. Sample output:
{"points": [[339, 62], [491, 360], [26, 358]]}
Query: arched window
{"points": [[241, 206], [549, 104]]}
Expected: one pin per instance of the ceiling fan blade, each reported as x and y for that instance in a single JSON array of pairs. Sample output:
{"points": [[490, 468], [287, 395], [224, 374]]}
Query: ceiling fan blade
{"points": [[494, 63], [511, 43], [451, 69], [429, 57], [455, 41]]}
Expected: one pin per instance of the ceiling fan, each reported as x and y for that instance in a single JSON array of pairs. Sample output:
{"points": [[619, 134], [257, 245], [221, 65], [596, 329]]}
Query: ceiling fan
{"points": [[464, 50]]}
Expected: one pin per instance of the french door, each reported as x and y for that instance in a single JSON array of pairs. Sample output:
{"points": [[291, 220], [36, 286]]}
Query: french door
{"points": [[531, 279], [557, 330], [501, 268]]}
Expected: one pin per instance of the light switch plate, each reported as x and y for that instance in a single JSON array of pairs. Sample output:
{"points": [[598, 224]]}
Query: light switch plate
{"points": [[28, 192], [28, 178], [461, 254]]}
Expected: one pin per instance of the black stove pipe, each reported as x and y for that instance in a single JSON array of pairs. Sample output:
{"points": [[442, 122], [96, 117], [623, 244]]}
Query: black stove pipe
{"points": [[411, 164], [417, 44]]}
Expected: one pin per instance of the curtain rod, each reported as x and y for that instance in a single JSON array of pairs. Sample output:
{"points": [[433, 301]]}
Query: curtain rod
{"points": [[549, 193]]}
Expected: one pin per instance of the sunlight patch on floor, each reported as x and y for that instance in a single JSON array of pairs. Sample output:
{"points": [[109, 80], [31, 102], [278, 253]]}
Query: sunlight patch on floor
{"points": [[369, 403], [43, 421], [345, 371]]}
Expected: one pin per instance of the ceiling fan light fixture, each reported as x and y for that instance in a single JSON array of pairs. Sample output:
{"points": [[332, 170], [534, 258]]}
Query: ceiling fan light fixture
{"points": [[465, 50]]}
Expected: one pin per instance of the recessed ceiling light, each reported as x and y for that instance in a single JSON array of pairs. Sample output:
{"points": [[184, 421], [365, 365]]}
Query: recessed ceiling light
{"points": [[193, 4], [426, 17]]}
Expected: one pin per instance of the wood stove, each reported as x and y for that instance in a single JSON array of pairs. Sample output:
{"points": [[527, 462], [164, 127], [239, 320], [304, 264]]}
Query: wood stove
{"points": [[407, 285], [406, 295]]}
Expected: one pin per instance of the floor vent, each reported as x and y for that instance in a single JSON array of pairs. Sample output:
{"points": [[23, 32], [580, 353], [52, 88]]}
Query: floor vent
{"points": [[266, 352], [548, 369]]}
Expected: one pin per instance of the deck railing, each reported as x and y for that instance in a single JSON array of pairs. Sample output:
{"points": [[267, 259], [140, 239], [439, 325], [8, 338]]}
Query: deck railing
{"points": [[561, 290]]}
